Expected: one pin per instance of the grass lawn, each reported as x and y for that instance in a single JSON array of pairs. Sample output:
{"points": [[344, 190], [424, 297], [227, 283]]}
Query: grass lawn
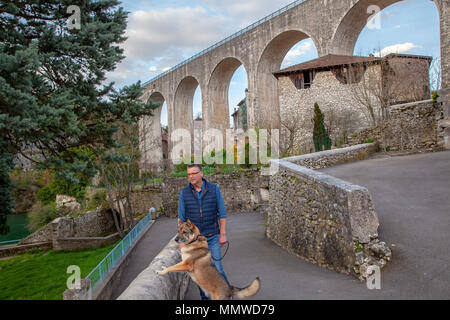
{"points": [[41, 275]]}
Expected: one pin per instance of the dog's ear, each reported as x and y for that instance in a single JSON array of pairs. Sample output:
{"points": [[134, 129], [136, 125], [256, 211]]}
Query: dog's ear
{"points": [[189, 222]]}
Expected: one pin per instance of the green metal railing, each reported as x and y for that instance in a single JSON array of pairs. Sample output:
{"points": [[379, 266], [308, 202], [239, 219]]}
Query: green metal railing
{"points": [[9, 242], [108, 263]]}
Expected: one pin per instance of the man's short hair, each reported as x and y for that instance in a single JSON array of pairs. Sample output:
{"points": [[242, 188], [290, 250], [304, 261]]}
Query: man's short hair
{"points": [[199, 166]]}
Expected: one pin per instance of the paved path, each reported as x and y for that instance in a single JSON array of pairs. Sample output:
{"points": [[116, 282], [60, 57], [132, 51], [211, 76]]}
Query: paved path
{"points": [[410, 194]]}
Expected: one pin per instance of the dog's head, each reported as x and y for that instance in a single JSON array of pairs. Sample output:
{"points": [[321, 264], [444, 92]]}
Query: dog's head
{"points": [[187, 232]]}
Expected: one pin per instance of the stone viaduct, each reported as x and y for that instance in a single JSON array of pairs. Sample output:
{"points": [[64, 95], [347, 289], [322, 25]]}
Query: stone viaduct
{"points": [[333, 26]]}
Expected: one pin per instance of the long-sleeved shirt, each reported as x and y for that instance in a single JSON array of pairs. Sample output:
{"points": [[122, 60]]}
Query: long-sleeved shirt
{"points": [[220, 203]]}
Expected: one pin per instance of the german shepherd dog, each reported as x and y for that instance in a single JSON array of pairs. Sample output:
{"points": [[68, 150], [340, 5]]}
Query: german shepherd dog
{"points": [[197, 261]]}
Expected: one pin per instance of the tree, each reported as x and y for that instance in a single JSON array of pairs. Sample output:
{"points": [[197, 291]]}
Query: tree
{"points": [[322, 140], [52, 93], [120, 168], [291, 126]]}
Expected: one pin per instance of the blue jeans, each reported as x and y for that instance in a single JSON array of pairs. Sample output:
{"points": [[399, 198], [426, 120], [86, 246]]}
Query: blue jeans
{"points": [[214, 247]]}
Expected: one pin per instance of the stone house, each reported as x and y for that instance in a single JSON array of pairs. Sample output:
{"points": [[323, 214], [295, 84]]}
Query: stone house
{"points": [[353, 92], [240, 116]]}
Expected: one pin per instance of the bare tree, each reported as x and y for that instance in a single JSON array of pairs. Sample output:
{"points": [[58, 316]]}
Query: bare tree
{"points": [[367, 90], [389, 81], [292, 126], [119, 171], [340, 123]]}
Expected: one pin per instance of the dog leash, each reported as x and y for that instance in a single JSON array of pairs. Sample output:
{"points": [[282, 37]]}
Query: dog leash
{"points": [[228, 245]]}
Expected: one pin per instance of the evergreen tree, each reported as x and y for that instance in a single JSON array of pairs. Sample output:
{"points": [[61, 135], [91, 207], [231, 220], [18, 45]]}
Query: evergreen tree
{"points": [[322, 140], [53, 99]]}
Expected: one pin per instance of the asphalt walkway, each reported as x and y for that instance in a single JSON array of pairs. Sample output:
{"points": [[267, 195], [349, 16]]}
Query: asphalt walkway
{"points": [[410, 195]]}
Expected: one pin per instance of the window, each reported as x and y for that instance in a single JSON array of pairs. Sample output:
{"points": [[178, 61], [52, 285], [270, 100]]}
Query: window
{"points": [[349, 74], [302, 80]]}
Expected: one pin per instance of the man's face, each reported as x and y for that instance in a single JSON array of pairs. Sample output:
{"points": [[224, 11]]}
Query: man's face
{"points": [[194, 175]]}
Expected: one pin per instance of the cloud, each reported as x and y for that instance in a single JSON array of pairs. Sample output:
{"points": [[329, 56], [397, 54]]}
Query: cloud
{"points": [[397, 48], [155, 33], [160, 39], [298, 51], [244, 13]]}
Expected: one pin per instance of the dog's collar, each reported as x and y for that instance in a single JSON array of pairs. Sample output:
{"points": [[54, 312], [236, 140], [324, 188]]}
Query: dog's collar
{"points": [[196, 239]]}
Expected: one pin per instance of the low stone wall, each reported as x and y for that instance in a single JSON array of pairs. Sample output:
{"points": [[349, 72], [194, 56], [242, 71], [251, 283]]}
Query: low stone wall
{"points": [[322, 219], [241, 190], [144, 198], [12, 250], [411, 126], [84, 242], [325, 159], [148, 285], [44, 234], [85, 231], [91, 224]]}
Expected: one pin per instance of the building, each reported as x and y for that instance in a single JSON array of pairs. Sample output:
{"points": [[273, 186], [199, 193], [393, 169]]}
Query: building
{"points": [[240, 116], [353, 92]]}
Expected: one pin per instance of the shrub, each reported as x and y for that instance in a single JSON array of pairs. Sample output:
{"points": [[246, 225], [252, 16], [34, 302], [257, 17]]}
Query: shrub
{"points": [[368, 141], [47, 194], [434, 96], [321, 138], [96, 199], [41, 215]]}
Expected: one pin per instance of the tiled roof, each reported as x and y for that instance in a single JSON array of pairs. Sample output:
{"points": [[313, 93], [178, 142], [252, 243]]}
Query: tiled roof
{"points": [[333, 60]]}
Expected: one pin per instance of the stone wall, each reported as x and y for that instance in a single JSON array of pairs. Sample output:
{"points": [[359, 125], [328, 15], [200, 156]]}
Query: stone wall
{"points": [[44, 234], [411, 126], [148, 285], [242, 191], [325, 220], [85, 231], [73, 243], [146, 197], [12, 250], [325, 159]]}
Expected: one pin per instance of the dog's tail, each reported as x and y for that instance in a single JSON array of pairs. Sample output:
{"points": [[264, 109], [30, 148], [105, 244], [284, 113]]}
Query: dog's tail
{"points": [[248, 291]]}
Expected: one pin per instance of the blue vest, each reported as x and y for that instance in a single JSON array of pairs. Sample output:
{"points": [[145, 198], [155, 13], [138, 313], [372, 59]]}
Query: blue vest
{"points": [[204, 217]]}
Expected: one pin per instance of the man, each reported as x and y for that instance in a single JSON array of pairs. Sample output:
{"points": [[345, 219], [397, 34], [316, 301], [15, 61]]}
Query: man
{"points": [[202, 203]]}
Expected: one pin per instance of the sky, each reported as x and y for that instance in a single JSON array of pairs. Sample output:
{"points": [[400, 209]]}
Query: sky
{"points": [[163, 33]]}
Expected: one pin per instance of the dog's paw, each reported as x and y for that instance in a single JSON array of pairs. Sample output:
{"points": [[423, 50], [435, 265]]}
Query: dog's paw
{"points": [[161, 272]]}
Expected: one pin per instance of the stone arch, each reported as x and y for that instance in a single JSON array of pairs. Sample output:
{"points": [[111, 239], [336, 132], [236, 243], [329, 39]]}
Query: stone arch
{"points": [[183, 104], [216, 111], [351, 25], [150, 130], [268, 108]]}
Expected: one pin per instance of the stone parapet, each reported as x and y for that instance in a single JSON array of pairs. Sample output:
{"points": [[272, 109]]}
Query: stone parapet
{"points": [[148, 285], [328, 158], [322, 219], [411, 126]]}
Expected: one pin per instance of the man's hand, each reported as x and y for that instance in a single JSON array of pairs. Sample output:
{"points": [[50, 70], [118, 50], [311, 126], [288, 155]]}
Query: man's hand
{"points": [[222, 239]]}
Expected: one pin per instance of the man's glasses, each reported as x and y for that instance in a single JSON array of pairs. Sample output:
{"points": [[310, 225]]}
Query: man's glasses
{"points": [[193, 174]]}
